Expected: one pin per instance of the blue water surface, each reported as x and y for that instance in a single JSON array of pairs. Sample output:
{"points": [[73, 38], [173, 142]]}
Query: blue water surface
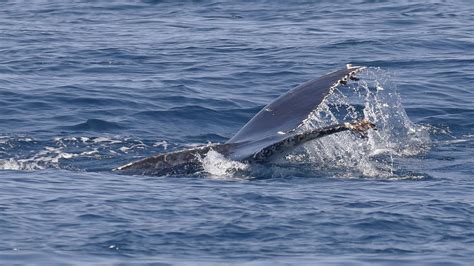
{"points": [[88, 86]]}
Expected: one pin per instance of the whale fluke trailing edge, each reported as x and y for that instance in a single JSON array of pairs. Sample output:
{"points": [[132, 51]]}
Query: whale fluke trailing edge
{"points": [[273, 130]]}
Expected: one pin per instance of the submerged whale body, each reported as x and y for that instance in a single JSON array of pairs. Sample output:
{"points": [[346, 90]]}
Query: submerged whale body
{"points": [[273, 130]]}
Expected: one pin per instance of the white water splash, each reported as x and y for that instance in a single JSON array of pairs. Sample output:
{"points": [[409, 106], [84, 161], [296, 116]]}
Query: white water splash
{"points": [[19, 164], [219, 167], [49, 157], [375, 98]]}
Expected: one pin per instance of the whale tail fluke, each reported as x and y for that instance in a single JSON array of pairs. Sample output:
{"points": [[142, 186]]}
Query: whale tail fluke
{"points": [[273, 130]]}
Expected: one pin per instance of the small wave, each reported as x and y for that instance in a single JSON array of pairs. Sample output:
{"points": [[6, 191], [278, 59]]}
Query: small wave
{"points": [[94, 125]]}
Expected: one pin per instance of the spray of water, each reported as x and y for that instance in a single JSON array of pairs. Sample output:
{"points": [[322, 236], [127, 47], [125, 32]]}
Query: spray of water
{"points": [[373, 97], [219, 167]]}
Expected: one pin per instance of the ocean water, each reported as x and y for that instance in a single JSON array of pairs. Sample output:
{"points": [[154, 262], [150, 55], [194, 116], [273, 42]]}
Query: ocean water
{"points": [[88, 86]]}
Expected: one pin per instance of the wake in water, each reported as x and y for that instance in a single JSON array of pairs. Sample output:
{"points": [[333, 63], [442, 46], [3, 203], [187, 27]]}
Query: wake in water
{"points": [[344, 154], [373, 97], [72, 153]]}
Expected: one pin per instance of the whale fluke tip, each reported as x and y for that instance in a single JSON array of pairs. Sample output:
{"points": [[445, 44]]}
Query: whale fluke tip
{"points": [[361, 127], [350, 67]]}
